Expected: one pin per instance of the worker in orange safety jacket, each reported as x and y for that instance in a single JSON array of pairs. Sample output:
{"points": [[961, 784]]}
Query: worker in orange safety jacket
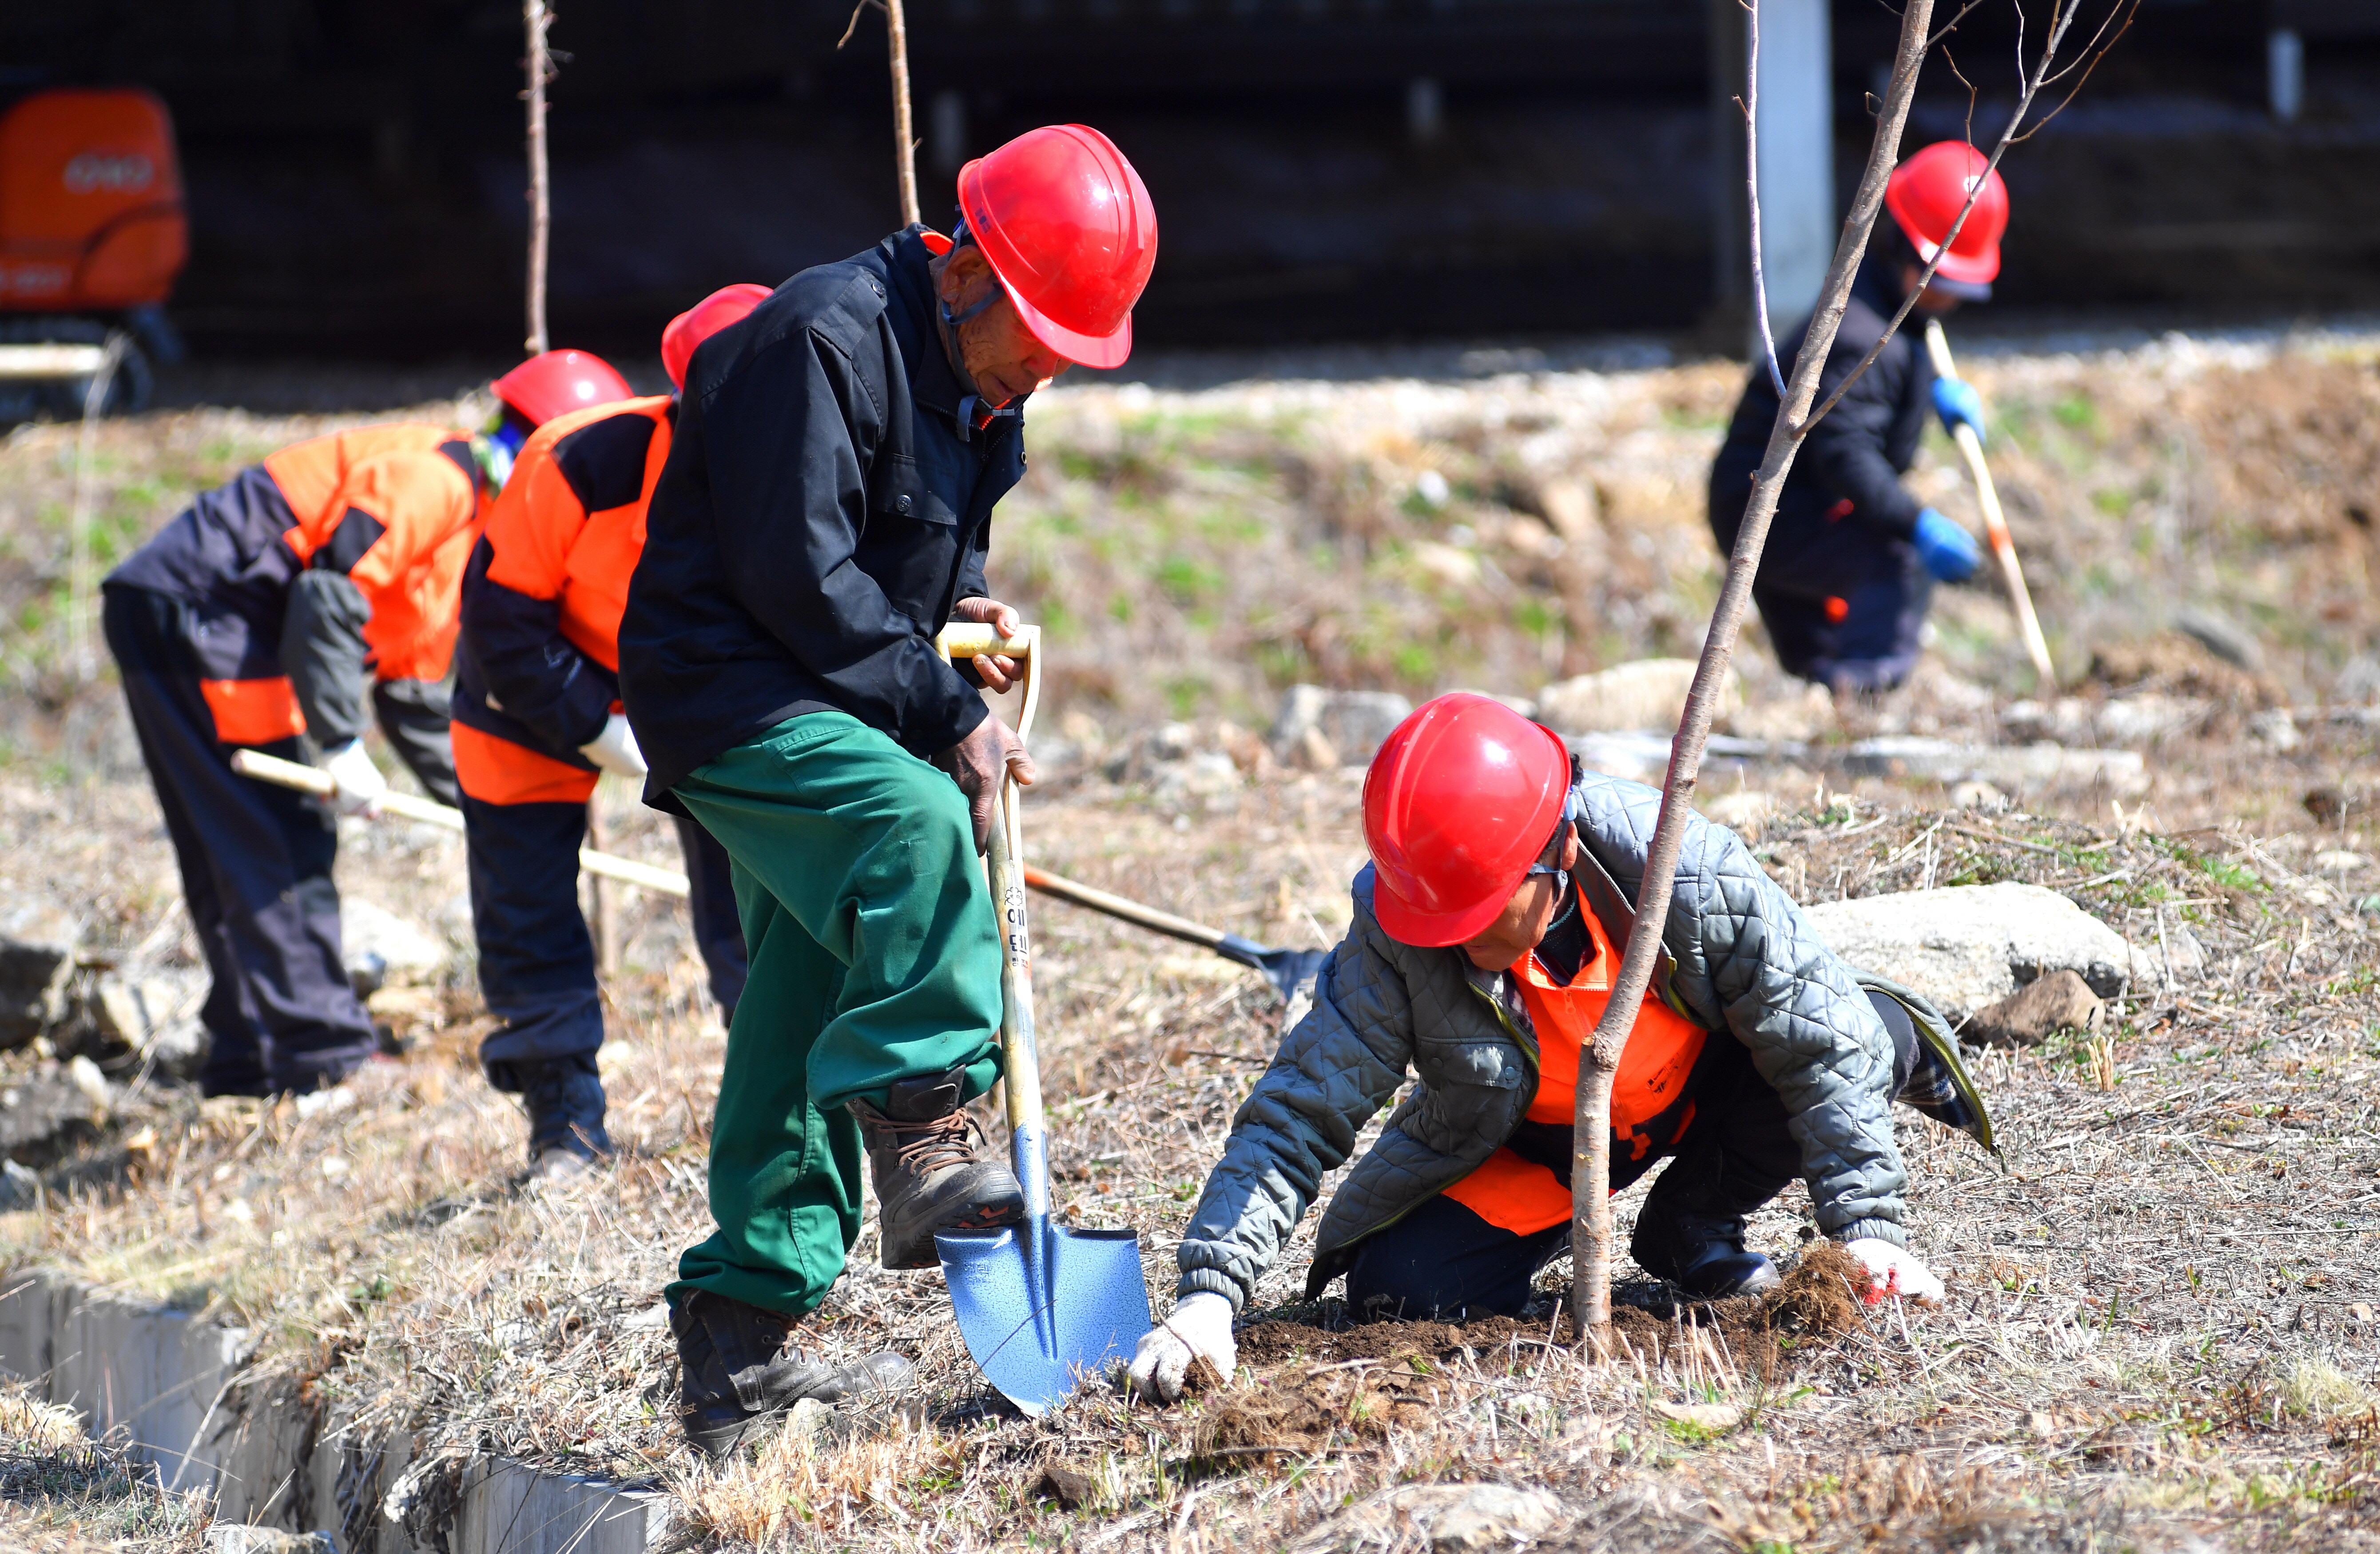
{"points": [[538, 719], [265, 616]]}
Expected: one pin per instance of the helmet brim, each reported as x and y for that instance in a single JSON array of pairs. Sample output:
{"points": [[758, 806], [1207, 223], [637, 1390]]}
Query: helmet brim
{"points": [[1964, 269], [1407, 924], [1084, 350]]}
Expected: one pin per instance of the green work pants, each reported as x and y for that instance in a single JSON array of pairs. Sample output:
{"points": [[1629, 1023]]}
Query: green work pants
{"points": [[875, 958]]}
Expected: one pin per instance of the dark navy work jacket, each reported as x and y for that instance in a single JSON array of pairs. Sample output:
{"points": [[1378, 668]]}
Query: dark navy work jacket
{"points": [[826, 502]]}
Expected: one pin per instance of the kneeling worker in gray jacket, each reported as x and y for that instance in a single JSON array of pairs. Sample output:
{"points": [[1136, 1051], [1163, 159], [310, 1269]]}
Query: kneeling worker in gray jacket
{"points": [[1487, 933]]}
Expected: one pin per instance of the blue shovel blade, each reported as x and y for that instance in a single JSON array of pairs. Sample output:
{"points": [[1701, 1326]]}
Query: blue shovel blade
{"points": [[1044, 1308]]}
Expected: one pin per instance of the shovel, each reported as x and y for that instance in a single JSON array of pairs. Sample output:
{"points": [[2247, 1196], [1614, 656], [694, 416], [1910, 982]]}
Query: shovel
{"points": [[1041, 1306], [1287, 969]]}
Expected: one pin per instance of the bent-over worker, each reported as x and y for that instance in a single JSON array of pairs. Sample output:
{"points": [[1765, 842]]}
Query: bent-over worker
{"points": [[1852, 556], [537, 718], [275, 606], [1487, 931], [825, 511]]}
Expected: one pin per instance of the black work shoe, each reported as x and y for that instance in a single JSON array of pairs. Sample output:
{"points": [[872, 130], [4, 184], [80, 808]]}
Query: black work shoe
{"points": [[738, 1372], [1703, 1255], [931, 1170], [566, 1116]]}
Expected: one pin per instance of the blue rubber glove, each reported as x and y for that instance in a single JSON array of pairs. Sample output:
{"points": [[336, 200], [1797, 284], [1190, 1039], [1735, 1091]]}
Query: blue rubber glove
{"points": [[1946, 548], [1956, 401]]}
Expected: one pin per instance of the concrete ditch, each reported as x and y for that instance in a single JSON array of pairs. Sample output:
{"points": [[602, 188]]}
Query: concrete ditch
{"points": [[193, 1404]]}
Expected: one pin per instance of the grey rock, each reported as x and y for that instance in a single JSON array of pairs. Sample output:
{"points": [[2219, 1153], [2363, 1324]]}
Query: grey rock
{"points": [[1968, 947], [43, 1113], [1353, 723], [2032, 769], [406, 952], [2038, 1010], [37, 951], [1443, 1518], [1648, 693], [150, 1019], [2227, 640], [18, 1187]]}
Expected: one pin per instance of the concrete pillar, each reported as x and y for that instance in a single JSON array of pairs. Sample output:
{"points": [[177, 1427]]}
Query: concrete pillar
{"points": [[2285, 73], [1799, 223]]}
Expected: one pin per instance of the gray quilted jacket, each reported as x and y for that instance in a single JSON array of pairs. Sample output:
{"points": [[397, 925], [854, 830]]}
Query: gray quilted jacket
{"points": [[1738, 955]]}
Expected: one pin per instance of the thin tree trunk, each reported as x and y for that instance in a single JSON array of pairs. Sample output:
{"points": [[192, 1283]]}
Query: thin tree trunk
{"points": [[904, 137], [538, 17], [1591, 1149]]}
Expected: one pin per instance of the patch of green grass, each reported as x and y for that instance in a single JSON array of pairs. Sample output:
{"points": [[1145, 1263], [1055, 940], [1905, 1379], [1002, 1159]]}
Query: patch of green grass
{"points": [[2076, 412], [1186, 580]]}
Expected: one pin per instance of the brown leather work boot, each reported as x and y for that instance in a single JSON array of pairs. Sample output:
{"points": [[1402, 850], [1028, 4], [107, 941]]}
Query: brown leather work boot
{"points": [[931, 1170], [738, 1372]]}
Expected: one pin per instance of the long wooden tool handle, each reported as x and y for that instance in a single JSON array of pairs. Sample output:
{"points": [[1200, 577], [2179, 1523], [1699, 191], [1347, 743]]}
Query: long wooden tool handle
{"points": [[1124, 907], [313, 779], [1987, 497], [1020, 1061]]}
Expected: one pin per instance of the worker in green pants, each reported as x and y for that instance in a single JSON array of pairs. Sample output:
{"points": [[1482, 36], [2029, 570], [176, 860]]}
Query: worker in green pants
{"points": [[825, 510], [874, 951]]}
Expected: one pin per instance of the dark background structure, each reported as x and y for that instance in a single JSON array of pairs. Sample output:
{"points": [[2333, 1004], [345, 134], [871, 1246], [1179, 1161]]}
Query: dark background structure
{"points": [[1324, 169]]}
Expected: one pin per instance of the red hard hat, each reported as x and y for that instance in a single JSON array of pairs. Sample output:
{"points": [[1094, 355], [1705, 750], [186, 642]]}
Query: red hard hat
{"points": [[725, 306], [557, 381], [1070, 231], [1925, 195], [1459, 803]]}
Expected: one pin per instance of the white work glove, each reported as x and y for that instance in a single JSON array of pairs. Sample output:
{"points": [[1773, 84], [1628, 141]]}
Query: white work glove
{"points": [[615, 749], [360, 784], [1201, 1325], [1893, 1271]]}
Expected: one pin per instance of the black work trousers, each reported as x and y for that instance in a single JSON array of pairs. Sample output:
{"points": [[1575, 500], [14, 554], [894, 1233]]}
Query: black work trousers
{"points": [[537, 959], [1444, 1262], [256, 871], [1844, 606]]}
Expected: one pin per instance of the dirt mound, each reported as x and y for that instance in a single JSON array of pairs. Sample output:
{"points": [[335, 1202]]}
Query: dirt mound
{"points": [[1322, 1375], [1302, 1412], [2175, 665]]}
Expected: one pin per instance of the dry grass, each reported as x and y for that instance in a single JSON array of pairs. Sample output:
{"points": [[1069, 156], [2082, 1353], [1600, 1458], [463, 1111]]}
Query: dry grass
{"points": [[61, 1493], [2161, 1325]]}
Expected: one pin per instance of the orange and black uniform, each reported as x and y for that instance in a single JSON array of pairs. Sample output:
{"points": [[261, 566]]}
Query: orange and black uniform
{"points": [[1475, 1248], [275, 606], [539, 676]]}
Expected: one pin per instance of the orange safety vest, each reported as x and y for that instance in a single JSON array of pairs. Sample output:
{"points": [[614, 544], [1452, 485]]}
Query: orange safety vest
{"points": [[1650, 1108], [396, 508], [568, 530]]}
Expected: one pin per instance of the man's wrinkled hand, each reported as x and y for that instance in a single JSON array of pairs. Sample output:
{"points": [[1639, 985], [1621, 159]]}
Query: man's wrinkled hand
{"points": [[980, 762], [997, 669]]}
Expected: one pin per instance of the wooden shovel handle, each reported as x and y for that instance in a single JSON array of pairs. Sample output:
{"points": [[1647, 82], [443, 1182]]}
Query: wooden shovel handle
{"points": [[313, 779]]}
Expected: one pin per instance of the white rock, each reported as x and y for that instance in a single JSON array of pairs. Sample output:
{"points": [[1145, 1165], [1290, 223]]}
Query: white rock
{"points": [[409, 951], [1443, 1518], [1648, 693], [1796, 710], [2276, 729], [1352, 723], [2146, 718], [1969, 945]]}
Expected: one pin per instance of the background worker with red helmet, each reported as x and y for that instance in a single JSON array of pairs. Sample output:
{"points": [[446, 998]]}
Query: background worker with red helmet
{"points": [[537, 717], [272, 608], [1487, 931], [825, 511], [1852, 556]]}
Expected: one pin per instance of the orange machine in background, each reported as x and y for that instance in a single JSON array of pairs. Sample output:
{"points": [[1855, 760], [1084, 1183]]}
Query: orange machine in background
{"points": [[93, 235]]}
